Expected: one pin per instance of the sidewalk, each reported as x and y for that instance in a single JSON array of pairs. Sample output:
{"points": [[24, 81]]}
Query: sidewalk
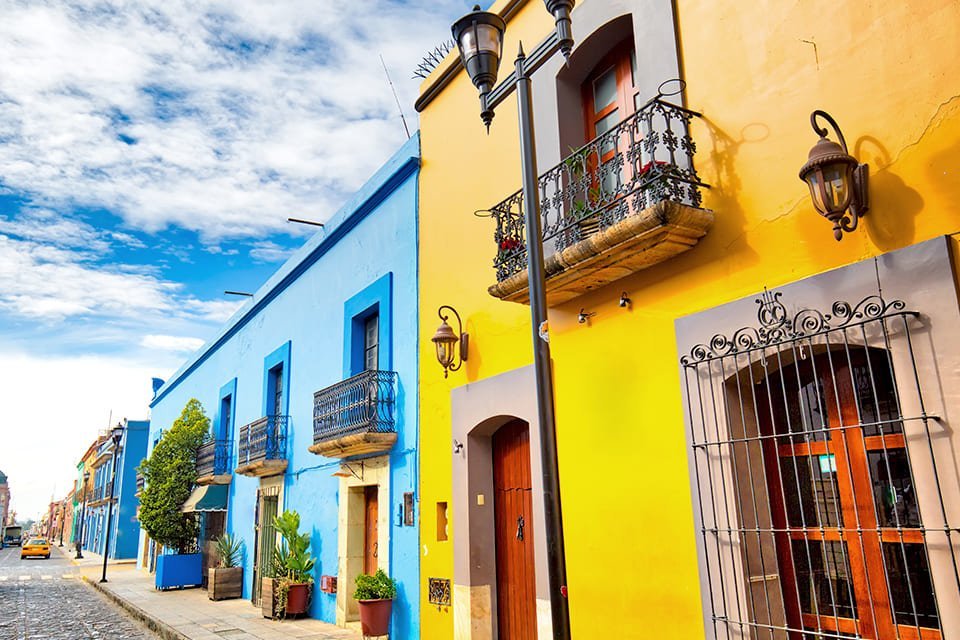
{"points": [[189, 615]]}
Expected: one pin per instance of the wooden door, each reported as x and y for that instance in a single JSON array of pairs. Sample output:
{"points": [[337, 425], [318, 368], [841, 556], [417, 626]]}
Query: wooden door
{"points": [[850, 544], [370, 540], [513, 513]]}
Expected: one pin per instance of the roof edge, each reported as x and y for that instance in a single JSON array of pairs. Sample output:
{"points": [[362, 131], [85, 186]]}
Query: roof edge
{"points": [[403, 163]]}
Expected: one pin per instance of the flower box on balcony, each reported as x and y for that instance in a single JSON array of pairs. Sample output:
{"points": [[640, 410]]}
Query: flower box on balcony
{"points": [[637, 242]]}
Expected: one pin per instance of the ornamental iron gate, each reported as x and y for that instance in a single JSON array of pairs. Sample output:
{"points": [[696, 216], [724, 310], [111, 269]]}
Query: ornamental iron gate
{"points": [[818, 476]]}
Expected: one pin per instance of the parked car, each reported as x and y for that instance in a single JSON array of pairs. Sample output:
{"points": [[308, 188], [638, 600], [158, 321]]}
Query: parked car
{"points": [[35, 547]]}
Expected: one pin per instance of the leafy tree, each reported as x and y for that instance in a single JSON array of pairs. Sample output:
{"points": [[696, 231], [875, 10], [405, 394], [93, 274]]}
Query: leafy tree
{"points": [[170, 473]]}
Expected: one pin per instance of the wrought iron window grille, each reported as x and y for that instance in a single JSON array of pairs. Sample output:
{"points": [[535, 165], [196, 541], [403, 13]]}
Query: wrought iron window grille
{"points": [[439, 591], [360, 404], [807, 474], [645, 159]]}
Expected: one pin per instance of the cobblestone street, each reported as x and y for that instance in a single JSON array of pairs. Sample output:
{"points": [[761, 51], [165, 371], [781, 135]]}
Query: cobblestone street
{"points": [[46, 600]]}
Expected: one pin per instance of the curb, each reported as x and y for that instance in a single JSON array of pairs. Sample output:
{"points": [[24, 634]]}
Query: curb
{"points": [[156, 625]]}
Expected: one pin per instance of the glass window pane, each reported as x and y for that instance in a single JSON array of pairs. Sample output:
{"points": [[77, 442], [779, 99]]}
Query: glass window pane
{"points": [[823, 578], [910, 579], [371, 343], [604, 90], [799, 407], [893, 492], [876, 398], [811, 491]]}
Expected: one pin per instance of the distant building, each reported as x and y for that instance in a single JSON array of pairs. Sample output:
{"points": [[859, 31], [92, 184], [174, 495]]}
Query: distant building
{"points": [[123, 507], [4, 500]]}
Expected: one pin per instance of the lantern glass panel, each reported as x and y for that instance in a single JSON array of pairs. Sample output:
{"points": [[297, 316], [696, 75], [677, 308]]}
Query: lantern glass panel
{"points": [[480, 38], [836, 179], [445, 353]]}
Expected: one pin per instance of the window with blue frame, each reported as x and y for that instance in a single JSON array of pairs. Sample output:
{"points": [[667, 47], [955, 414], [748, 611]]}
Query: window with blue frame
{"points": [[368, 319]]}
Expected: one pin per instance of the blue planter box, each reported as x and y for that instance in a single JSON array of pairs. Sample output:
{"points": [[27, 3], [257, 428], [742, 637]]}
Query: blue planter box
{"points": [[180, 570]]}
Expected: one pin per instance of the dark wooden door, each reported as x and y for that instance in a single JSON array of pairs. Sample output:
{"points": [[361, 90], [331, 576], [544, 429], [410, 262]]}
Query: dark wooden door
{"points": [[850, 544], [370, 542], [513, 513]]}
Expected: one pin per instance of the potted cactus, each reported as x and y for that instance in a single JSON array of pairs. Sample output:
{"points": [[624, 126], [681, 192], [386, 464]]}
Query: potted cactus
{"points": [[226, 579], [294, 566], [374, 595]]}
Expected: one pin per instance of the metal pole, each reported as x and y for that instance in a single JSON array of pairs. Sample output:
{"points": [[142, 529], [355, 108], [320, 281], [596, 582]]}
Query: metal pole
{"points": [[556, 559], [83, 516], [113, 483], [63, 508]]}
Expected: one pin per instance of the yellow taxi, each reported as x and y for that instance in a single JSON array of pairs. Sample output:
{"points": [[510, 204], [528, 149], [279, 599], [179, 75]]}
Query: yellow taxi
{"points": [[38, 547]]}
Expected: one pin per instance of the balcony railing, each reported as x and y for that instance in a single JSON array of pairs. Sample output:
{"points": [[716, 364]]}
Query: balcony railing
{"points": [[213, 458], [263, 440], [644, 160], [356, 415], [141, 483], [98, 494]]}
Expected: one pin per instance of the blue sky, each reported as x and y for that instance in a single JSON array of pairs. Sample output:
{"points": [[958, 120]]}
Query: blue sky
{"points": [[150, 154]]}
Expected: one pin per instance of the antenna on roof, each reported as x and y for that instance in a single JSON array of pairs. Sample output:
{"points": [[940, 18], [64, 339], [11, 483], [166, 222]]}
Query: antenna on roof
{"points": [[395, 97]]}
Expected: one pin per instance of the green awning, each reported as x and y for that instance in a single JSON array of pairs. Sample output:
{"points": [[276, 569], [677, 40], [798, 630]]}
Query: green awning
{"points": [[211, 497]]}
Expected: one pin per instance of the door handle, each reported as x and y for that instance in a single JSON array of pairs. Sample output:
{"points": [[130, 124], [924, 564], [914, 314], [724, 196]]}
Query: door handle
{"points": [[376, 546], [520, 528]]}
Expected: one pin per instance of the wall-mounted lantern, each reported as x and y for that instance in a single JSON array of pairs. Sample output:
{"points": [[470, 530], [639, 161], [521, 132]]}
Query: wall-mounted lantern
{"points": [[837, 181], [449, 354]]}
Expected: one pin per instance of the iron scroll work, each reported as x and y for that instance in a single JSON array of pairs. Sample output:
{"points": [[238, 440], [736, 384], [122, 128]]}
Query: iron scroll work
{"points": [[822, 485], [778, 327]]}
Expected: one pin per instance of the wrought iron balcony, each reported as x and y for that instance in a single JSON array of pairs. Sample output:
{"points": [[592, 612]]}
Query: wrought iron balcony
{"points": [[141, 483], [213, 462], [98, 495], [355, 416], [628, 199], [263, 447]]}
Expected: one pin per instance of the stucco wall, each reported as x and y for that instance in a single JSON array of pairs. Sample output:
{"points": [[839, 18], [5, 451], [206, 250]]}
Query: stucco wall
{"points": [[884, 69], [309, 312]]}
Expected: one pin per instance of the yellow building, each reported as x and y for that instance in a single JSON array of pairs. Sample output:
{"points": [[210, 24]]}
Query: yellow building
{"points": [[794, 471]]}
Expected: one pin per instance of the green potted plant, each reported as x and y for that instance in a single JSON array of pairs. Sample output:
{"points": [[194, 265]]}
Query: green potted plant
{"points": [[226, 579], [374, 595], [295, 566]]}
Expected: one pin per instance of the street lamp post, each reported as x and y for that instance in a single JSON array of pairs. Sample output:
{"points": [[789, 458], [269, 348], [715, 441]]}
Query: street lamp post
{"points": [[63, 507], [117, 435], [83, 516], [479, 37]]}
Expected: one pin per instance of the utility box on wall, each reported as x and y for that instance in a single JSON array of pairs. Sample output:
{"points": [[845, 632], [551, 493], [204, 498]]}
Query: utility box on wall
{"points": [[328, 584]]}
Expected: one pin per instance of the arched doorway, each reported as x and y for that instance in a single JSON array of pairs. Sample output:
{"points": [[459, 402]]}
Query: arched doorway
{"points": [[513, 527]]}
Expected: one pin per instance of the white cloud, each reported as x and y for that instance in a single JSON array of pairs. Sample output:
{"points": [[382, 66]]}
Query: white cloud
{"points": [[172, 343], [268, 251], [52, 283], [219, 117], [89, 391]]}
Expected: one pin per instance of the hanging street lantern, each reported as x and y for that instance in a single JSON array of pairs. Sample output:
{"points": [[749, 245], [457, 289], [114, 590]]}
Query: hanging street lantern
{"points": [[837, 180], [479, 37]]}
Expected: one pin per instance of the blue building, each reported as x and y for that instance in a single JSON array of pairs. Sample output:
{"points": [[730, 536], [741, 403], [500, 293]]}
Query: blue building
{"points": [[125, 530], [311, 389]]}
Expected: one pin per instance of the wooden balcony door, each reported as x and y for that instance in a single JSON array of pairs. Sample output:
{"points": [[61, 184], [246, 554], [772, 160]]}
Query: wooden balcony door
{"points": [[513, 514], [850, 544]]}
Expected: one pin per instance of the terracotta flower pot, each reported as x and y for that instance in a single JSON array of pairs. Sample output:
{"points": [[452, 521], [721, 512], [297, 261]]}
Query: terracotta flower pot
{"points": [[298, 599], [375, 617]]}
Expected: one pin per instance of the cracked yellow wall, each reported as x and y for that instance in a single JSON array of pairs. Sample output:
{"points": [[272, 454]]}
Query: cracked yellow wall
{"points": [[887, 71]]}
